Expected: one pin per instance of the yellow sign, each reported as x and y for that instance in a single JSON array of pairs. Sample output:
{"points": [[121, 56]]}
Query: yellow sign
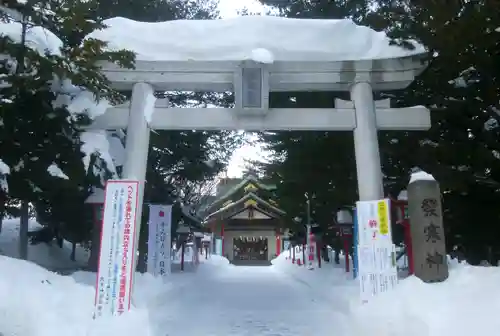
{"points": [[250, 203], [382, 217], [250, 187]]}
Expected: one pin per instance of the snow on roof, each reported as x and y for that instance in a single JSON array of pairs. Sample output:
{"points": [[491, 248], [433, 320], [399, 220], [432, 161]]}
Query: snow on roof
{"points": [[250, 195], [403, 195], [421, 176], [260, 38], [242, 183]]}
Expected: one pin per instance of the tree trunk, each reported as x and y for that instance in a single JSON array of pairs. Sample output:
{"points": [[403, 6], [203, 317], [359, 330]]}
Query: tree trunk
{"points": [[182, 256], [337, 248], [2, 211], [319, 247], [142, 249], [23, 231], [72, 257]]}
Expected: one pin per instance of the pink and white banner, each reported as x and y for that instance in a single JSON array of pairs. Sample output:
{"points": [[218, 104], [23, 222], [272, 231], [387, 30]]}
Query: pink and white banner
{"points": [[159, 240], [116, 255]]}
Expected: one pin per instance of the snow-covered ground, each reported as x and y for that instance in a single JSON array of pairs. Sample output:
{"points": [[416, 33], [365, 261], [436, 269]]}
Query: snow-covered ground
{"points": [[225, 300], [252, 300], [463, 305]]}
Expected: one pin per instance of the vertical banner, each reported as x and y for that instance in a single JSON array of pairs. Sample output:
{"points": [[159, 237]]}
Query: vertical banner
{"points": [[116, 255], [355, 253], [375, 254], [160, 240], [218, 246], [286, 245]]}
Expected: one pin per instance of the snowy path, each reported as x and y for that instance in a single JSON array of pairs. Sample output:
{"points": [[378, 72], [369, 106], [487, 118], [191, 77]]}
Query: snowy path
{"points": [[247, 301]]}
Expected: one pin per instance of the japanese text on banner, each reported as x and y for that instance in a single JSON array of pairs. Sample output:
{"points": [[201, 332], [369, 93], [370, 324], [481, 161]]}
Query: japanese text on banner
{"points": [[160, 244], [116, 257]]}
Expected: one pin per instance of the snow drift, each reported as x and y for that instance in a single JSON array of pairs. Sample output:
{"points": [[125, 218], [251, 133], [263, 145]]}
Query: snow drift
{"points": [[55, 305], [463, 305]]}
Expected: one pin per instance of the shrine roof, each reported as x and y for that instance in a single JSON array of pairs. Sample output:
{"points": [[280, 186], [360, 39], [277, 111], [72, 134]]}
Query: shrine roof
{"points": [[263, 39], [249, 179], [246, 202]]}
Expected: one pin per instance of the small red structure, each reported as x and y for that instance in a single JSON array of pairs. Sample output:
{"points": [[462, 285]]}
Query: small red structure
{"points": [[346, 234], [278, 242], [96, 202], [345, 226], [400, 216]]}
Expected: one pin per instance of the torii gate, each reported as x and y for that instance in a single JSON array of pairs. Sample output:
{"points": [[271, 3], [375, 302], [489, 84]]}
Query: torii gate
{"points": [[251, 83]]}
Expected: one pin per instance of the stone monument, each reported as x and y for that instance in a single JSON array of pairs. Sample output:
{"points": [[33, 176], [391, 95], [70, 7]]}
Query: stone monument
{"points": [[426, 225]]}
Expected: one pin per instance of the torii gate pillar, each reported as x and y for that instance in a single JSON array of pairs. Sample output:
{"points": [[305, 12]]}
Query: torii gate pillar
{"points": [[366, 147], [137, 146]]}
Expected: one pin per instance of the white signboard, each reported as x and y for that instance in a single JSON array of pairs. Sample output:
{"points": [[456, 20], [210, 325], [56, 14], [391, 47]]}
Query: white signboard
{"points": [[376, 253], [159, 240], [116, 256]]}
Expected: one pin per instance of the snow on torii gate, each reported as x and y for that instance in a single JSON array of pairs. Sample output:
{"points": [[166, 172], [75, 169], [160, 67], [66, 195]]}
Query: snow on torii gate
{"points": [[253, 56]]}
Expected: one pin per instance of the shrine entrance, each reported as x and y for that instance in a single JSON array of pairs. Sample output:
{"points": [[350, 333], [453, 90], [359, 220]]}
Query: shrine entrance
{"points": [[250, 248], [260, 65]]}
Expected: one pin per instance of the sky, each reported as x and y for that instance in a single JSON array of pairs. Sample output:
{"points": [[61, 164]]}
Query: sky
{"points": [[229, 8], [246, 152]]}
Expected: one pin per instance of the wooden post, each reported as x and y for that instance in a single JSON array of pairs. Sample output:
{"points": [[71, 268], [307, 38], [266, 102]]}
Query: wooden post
{"points": [[346, 253], [222, 237], [23, 231], [319, 247], [304, 254], [182, 255], [427, 232]]}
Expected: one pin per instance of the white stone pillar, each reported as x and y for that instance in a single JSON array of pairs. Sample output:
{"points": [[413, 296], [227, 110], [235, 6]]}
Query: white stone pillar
{"points": [[136, 147], [366, 145]]}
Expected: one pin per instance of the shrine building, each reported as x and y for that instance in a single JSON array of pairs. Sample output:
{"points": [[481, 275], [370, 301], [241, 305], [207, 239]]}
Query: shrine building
{"points": [[247, 219]]}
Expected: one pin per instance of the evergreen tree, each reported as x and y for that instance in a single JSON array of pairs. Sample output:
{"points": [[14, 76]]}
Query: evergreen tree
{"points": [[39, 136]]}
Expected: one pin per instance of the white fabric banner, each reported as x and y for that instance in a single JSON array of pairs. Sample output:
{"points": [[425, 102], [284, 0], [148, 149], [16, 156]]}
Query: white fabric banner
{"points": [[159, 240], [116, 256]]}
